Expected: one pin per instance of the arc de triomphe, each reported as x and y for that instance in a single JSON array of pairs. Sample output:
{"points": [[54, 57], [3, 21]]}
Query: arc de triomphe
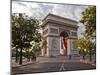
{"points": [[56, 29]]}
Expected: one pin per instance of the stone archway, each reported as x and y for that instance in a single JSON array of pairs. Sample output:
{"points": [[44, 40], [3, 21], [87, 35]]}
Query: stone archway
{"points": [[63, 43], [55, 29]]}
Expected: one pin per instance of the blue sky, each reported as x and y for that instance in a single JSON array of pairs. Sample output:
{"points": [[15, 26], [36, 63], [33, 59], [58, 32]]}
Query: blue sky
{"points": [[40, 10]]}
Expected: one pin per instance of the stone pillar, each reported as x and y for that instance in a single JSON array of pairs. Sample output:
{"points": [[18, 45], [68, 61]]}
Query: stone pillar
{"points": [[48, 46], [68, 47], [61, 45], [42, 52]]}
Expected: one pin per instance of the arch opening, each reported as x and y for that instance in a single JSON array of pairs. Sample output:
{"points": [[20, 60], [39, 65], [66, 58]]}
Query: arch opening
{"points": [[63, 43]]}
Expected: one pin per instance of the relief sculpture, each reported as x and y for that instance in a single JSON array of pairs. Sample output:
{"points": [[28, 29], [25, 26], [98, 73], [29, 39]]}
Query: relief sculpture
{"points": [[54, 44]]}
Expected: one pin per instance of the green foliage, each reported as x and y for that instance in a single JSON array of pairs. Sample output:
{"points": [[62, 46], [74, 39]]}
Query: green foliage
{"points": [[24, 30], [27, 53], [89, 20], [36, 47], [86, 47], [82, 44]]}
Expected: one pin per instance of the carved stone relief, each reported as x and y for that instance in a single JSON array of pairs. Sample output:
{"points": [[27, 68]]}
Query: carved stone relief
{"points": [[54, 44], [53, 30]]}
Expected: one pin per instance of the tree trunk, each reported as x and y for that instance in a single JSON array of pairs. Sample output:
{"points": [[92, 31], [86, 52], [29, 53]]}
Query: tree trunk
{"points": [[90, 56], [20, 61], [83, 57], [16, 60]]}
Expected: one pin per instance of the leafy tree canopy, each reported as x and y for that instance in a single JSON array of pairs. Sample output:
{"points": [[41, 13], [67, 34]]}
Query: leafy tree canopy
{"points": [[89, 20], [24, 30]]}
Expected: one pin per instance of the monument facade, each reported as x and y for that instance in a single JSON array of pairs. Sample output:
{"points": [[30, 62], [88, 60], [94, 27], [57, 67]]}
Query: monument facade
{"points": [[60, 34]]}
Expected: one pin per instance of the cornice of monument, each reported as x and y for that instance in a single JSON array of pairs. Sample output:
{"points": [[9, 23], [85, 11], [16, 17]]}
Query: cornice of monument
{"points": [[47, 19], [60, 18], [57, 22]]}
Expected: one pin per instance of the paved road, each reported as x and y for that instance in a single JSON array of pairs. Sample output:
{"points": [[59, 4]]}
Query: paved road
{"points": [[51, 67]]}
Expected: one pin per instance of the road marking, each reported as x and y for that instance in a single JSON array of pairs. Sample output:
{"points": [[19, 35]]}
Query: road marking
{"points": [[62, 67]]}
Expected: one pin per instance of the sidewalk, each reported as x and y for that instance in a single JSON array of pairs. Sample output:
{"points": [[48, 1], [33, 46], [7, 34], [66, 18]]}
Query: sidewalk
{"points": [[51, 59], [63, 58], [56, 59], [14, 64], [88, 62]]}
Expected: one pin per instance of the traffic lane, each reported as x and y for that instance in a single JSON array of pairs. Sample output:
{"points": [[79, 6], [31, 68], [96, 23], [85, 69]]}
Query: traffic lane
{"points": [[52, 67], [72, 66], [37, 68]]}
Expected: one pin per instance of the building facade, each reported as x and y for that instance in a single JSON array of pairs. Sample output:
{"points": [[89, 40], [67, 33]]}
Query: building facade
{"points": [[60, 34]]}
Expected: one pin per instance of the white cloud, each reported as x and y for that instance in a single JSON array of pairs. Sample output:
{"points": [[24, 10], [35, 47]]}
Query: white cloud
{"points": [[18, 8], [69, 11], [61, 10], [40, 10], [24, 7]]}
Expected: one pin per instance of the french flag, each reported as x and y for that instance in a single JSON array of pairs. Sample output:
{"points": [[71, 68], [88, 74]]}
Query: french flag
{"points": [[64, 43]]}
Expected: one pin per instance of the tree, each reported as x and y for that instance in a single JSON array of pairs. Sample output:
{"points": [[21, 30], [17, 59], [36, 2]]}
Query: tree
{"points": [[24, 30], [86, 47], [89, 20], [81, 44], [36, 47], [90, 47]]}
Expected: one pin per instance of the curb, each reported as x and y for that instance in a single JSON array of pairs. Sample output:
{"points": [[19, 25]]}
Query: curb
{"points": [[23, 65], [86, 62]]}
